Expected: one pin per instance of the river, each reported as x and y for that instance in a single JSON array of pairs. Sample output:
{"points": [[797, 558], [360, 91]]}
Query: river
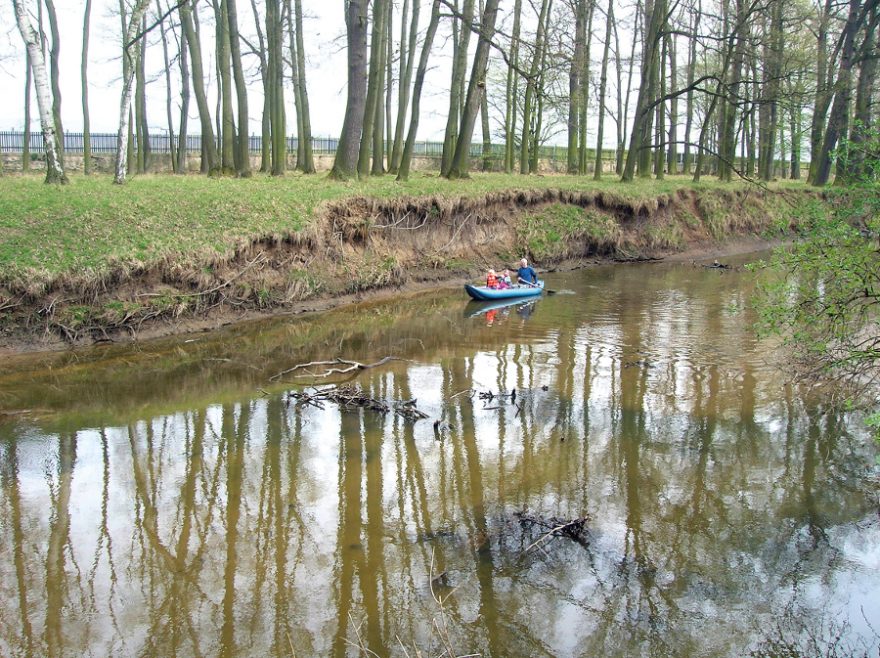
{"points": [[656, 486]]}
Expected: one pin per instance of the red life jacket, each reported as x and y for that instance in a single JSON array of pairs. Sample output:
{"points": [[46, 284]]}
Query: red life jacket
{"points": [[491, 281]]}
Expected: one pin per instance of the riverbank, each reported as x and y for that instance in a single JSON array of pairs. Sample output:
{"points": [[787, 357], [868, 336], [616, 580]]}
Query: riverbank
{"points": [[96, 262]]}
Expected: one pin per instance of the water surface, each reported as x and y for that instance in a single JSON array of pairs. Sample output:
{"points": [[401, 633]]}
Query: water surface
{"points": [[170, 499]]}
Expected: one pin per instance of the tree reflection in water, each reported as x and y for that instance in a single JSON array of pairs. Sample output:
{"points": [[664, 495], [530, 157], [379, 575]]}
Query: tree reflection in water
{"points": [[718, 496]]}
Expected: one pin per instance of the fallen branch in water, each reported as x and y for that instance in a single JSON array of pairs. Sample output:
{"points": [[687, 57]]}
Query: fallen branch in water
{"points": [[350, 396], [576, 529], [350, 367]]}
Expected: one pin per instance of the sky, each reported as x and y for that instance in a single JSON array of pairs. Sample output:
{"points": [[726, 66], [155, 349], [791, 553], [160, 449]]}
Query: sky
{"points": [[326, 71]]}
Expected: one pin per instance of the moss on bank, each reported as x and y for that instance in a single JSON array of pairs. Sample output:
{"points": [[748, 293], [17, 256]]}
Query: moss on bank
{"points": [[94, 260]]}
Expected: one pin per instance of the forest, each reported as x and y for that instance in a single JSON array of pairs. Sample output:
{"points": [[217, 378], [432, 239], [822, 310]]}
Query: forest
{"points": [[756, 89]]}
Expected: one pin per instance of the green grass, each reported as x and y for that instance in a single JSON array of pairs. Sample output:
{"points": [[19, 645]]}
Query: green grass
{"points": [[90, 224]]}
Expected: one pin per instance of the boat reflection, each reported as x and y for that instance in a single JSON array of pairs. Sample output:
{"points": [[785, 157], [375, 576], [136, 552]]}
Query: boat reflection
{"points": [[495, 311]]}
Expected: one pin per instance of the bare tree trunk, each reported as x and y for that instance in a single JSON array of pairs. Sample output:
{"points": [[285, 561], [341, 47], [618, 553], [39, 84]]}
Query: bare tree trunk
{"points": [[660, 117], [621, 146], [672, 157], [130, 58], [84, 82], [585, 92], [242, 143], [512, 92], [540, 96], [277, 117], [306, 164], [356, 21], [576, 85], [224, 75], [169, 115], [54, 167], [407, 62], [406, 156], [265, 123], [838, 119], [373, 89], [853, 168], [55, 73], [378, 166], [459, 69], [26, 142], [211, 161], [297, 99], [182, 146], [487, 134], [528, 138], [689, 98], [640, 138], [603, 84], [824, 91], [476, 88], [140, 107]]}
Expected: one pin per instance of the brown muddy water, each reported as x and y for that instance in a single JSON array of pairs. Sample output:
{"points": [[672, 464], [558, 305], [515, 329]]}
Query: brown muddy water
{"points": [[169, 499]]}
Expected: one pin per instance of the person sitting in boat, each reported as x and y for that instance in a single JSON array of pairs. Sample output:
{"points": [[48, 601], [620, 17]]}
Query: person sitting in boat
{"points": [[505, 281], [492, 280], [526, 274]]}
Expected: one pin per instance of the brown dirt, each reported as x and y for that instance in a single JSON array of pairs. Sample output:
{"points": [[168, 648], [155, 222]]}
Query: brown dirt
{"points": [[365, 249]]}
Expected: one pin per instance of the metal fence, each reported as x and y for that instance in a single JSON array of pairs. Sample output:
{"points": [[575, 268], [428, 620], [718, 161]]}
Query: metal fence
{"points": [[160, 143]]}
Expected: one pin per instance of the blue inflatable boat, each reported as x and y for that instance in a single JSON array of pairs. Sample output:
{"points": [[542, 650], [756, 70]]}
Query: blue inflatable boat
{"points": [[482, 293]]}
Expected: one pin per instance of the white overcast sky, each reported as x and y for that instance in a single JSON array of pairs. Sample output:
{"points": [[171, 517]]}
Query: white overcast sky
{"points": [[326, 70]]}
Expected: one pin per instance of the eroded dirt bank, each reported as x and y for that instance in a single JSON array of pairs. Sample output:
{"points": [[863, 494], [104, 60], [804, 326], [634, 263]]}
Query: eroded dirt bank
{"points": [[368, 247]]}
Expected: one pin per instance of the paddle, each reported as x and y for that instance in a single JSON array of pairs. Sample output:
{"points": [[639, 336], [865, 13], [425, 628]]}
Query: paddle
{"points": [[535, 285]]}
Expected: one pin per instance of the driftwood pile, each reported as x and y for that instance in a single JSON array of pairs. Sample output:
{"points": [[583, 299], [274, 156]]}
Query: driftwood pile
{"points": [[352, 397], [574, 529]]}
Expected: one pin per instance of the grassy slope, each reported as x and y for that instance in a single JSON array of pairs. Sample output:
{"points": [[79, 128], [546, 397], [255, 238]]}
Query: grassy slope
{"points": [[46, 231]]}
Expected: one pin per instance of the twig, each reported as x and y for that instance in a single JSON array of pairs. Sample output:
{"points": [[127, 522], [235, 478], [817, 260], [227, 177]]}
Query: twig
{"points": [[352, 366], [553, 532]]}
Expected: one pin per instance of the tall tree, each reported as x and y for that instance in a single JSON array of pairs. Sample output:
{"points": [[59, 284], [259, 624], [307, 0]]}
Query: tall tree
{"points": [[640, 137], [226, 131], [460, 42], [183, 125], [84, 82], [576, 84], [696, 14], [476, 88], [55, 73], [603, 86], [306, 163], [211, 162], [166, 58], [768, 112], [838, 117], [242, 145], [130, 54], [512, 91], [275, 61], [406, 155], [140, 104], [406, 64], [26, 138], [374, 95], [356, 24], [265, 123], [528, 138], [378, 149], [54, 167]]}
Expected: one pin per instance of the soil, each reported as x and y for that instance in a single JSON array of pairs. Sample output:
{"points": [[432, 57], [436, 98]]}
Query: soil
{"points": [[19, 343], [368, 249]]}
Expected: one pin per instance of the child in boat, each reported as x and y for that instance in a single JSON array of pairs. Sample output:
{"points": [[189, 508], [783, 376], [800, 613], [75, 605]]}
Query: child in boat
{"points": [[505, 280], [492, 280]]}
